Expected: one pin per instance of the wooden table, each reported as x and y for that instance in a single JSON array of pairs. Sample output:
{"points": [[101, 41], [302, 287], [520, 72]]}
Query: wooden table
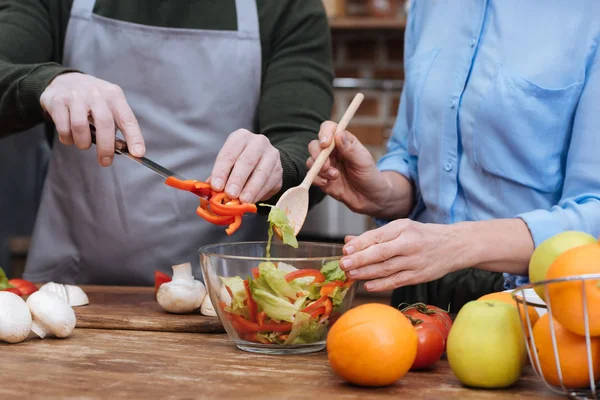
{"points": [[113, 364]]}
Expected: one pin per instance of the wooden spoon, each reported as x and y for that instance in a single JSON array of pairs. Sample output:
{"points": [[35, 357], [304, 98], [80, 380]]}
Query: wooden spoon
{"points": [[294, 202]]}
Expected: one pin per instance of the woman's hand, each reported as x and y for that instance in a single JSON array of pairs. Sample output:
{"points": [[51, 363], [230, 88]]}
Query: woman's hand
{"points": [[350, 175], [71, 98], [405, 252], [248, 167], [402, 253]]}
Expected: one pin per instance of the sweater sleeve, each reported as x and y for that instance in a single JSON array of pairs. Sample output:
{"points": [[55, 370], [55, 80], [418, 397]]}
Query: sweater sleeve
{"points": [[27, 49], [297, 86]]}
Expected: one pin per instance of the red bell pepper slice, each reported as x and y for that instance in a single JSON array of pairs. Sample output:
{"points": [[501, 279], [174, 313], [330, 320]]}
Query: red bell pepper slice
{"points": [[232, 207], [25, 287], [301, 273], [261, 317], [205, 213], [255, 273], [242, 326], [235, 225], [177, 183], [202, 189], [159, 279], [253, 337], [328, 289], [316, 304], [252, 307]]}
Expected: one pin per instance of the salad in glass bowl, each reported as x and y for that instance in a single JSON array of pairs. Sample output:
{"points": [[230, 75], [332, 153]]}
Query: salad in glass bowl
{"points": [[281, 303]]}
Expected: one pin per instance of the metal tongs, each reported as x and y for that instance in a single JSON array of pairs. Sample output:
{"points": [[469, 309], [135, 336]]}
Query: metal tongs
{"points": [[121, 148]]}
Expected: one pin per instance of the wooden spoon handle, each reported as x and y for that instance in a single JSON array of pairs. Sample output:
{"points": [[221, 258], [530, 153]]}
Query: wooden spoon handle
{"points": [[314, 170]]}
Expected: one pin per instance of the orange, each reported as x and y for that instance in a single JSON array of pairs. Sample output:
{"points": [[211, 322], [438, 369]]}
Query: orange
{"points": [[372, 345], [506, 297], [572, 353], [566, 298]]}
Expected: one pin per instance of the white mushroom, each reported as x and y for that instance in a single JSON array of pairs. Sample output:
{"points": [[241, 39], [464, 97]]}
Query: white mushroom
{"points": [[183, 294], [15, 318], [73, 295], [207, 307], [52, 316]]}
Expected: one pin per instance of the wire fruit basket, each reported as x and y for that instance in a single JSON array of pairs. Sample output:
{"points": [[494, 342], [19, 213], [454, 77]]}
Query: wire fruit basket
{"points": [[521, 295]]}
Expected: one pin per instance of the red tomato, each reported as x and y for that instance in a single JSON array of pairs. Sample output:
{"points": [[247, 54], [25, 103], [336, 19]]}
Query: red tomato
{"points": [[13, 290], [429, 314], [430, 345], [25, 287], [159, 279]]}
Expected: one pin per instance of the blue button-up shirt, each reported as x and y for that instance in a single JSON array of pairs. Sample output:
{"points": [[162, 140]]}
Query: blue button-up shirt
{"points": [[500, 114]]}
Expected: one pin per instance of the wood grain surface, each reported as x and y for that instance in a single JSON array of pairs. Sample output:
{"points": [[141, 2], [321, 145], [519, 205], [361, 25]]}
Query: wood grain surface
{"points": [[134, 308], [109, 364]]}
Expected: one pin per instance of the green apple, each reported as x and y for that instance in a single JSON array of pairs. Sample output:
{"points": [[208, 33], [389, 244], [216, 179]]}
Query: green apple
{"points": [[545, 254], [486, 345]]}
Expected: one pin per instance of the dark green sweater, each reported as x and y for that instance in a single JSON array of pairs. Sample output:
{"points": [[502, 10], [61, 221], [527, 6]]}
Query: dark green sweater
{"points": [[296, 72]]}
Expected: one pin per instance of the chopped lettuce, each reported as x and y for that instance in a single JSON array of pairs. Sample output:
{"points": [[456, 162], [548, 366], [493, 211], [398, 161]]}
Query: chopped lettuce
{"points": [[306, 330], [337, 297], [238, 295], [278, 219], [333, 272], [277, 308], [275, 280]]}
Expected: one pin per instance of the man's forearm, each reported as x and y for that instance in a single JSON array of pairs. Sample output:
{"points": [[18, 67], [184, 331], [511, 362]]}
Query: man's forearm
{"points": [[499, 245]]}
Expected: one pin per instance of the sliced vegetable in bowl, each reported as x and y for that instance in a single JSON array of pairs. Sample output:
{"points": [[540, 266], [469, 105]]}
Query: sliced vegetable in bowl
{"points": [[285, 305]]}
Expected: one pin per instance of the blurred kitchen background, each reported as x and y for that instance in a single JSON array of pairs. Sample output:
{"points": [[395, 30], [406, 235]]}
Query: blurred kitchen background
{"points": [[367, 49], [367, 39]]}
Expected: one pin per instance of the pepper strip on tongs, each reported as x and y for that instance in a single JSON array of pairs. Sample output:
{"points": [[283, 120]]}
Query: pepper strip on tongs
{"points": [[223, 206], [214, 207]]}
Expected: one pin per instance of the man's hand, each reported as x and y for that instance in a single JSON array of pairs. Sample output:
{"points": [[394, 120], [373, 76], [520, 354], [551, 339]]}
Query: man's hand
{"points": [[248, 167], [72, 98]]}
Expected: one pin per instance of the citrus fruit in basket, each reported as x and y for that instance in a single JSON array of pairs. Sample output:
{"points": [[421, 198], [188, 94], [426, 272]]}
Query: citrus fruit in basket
{"points": [[566, 298], [506, 297], [545, 254], [572, 353], [372, 345], [486, 347]]}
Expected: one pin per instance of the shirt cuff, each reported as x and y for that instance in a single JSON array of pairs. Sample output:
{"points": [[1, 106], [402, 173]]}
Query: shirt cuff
{"points": [[397, 163], [542, 225]]}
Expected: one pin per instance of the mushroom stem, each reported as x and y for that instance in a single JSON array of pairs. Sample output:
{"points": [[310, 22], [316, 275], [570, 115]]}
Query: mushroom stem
{"points": [[183, 272], [38, 329]]}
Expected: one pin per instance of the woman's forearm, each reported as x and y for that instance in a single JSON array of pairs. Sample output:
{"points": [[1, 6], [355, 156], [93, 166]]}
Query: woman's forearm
{"points": [[499, 245], [399, 198]]}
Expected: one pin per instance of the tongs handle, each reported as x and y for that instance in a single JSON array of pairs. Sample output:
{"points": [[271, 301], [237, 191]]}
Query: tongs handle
{"points": [[120, 144]]}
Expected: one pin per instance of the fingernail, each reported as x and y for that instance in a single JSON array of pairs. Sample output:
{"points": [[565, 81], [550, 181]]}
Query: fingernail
{"points": [[217, 183], [351, 273], [344, 139], [350, 250], [369, 286], [138, 148], [331, 174], [346, 263], [105, 161], [233, 190], [323, 140], [245, 199]]}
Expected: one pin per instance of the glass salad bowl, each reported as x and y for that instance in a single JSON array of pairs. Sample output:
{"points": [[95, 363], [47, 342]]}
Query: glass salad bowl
{"points": [[283, 304]]}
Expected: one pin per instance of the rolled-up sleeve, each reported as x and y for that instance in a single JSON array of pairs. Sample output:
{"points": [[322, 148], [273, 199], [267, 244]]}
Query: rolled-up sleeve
{"points": [[579, 206]]}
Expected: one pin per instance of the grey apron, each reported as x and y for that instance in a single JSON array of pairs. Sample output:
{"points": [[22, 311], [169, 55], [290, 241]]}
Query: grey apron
{"points": [[189, 90]]}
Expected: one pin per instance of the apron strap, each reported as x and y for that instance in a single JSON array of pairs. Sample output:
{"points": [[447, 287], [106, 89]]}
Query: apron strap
{"points": [[83, 8], [247, 18]]}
